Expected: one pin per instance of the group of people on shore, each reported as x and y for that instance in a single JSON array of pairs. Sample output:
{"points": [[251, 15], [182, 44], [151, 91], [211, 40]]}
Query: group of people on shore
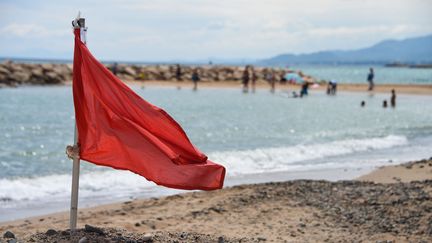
{"points": [[271, 77], [249, 77], [195, 76], [252, 77]]}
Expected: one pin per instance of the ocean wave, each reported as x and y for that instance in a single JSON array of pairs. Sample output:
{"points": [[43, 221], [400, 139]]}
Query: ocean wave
{"points": [[57, 187], [116, 183], [291, 158]]}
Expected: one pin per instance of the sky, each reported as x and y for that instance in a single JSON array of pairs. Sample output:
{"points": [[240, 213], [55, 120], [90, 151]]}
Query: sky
{"points": [[165, 30]]}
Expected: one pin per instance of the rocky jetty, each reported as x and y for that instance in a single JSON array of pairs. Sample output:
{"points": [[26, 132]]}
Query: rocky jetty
{"points": [[15, 74]]}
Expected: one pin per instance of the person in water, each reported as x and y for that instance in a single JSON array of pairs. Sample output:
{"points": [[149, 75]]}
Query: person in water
{"points": [[363, 103], [370, 79], [384, 103], [195, 79], [393, 99]]}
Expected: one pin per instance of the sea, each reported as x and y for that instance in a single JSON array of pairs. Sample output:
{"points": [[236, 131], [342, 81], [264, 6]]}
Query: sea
{"points": [[358, 73], [258, 137]]}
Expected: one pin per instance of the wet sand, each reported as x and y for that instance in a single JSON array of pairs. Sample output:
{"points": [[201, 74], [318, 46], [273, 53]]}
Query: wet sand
{"points": [[391, 203], [417, 89]]}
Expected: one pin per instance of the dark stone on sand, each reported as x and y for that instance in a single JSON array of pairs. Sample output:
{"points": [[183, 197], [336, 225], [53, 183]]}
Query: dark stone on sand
{"points": [[12, 241], [221, 240], [9, 235], [183, 235], [51, 232], [137, 224], [93, 229], [302, 225]]}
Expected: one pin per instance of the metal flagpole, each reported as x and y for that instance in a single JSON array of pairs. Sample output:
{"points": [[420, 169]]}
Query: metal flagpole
{"points": [[75, 186], [77, 23]]}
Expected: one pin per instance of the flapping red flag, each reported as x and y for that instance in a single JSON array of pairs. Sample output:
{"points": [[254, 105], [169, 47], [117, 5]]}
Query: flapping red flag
{"points": [[117, 128]]}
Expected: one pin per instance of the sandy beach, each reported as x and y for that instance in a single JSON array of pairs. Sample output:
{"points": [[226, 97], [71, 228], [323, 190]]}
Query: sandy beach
{"points": [[379, 88], [392, 203]]}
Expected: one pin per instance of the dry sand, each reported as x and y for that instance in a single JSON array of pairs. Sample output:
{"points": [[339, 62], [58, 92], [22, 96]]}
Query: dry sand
{"points": [[399, 210], [411, 171]]}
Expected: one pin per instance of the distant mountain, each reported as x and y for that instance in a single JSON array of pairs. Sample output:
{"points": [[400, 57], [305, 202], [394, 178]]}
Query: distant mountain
{"points": [[412, 51]]}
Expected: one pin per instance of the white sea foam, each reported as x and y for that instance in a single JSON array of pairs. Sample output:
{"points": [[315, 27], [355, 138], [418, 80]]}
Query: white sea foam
{"points": [[291, 158], [124, 183], [57, 187]]}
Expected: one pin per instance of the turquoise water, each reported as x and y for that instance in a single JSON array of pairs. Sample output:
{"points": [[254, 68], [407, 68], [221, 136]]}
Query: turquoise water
{"points": [[250, 134], [358, 74]]}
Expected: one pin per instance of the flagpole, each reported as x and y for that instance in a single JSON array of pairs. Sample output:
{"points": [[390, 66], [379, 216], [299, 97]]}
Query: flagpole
{"points": [[75, 186], [77, 23]]}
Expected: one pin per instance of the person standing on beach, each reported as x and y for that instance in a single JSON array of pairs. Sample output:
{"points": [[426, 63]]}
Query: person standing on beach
{"points": [[195, 79], [178, 72], [283, 79], [393, 99], [273, 81], [370, 78], [245, 80], [254, 79], [114, 68], [331, 88], [304, 89]]}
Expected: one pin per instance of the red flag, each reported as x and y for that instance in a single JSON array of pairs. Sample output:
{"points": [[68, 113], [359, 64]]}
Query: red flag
{"points": [[117, 128]]}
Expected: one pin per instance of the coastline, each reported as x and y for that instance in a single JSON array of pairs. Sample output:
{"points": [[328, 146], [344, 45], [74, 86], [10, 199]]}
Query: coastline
{"points": [[415, 89], [294, 210]]}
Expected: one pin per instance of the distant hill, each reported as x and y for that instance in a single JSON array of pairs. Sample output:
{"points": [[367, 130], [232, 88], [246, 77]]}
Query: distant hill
{"points": [[412, 51]]}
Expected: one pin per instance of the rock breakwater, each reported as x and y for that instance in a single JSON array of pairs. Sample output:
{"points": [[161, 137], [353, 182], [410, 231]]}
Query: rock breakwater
{"points": [[16, 74]]}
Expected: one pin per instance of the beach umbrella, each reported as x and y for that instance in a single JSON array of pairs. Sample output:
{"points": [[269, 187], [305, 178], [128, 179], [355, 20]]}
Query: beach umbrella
{"points": [[293, 77], [117, 128]]}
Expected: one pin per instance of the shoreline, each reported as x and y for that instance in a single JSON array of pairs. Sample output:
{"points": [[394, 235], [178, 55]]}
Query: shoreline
{"points": [[414, 89], [289, 210]]}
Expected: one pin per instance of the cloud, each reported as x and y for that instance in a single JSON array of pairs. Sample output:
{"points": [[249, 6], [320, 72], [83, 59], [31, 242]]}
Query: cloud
{"points": [[347, 32], [31, 31], [194, 29]]}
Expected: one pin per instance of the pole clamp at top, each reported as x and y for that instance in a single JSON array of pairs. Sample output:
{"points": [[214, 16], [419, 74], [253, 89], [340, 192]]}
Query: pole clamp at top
{"points": [[78, 22]]}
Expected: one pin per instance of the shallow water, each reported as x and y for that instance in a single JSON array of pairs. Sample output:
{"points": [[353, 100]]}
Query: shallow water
{"points": [[358, 73], [256, 136]]}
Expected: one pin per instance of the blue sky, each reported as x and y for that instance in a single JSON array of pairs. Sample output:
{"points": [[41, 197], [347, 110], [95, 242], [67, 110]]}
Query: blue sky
{"points": [[163, 30]]}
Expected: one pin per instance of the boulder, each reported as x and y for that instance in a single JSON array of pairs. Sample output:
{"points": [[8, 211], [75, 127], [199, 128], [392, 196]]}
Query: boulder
{"points": [[4, 70], [130, 71], [20, 76]]}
